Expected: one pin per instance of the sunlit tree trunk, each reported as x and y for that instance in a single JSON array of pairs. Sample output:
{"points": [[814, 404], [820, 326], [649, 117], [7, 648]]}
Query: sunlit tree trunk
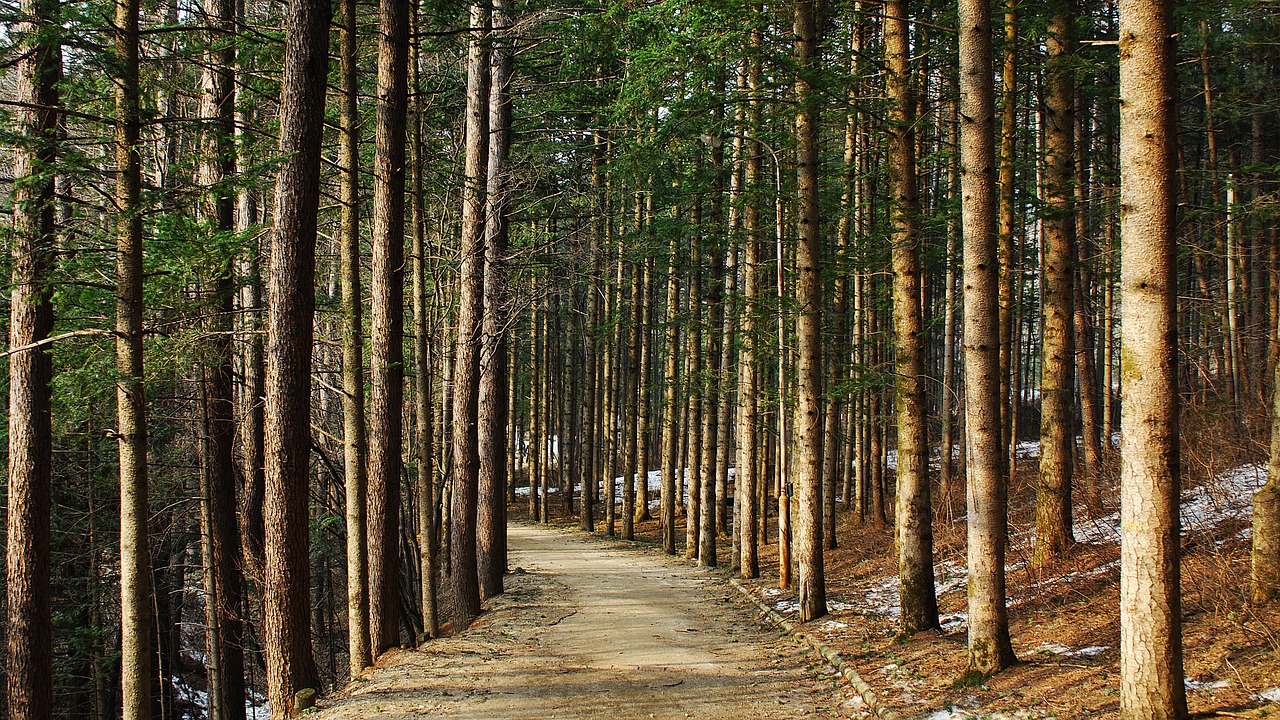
{"points": [[492, 511], [424, 405], [386, 342], [914, 522], [290, 311], [466, 461], [223, 580], [1151, 675], [1004, 248], [1057, 379], [29, 648], [808, 441], [135, 555], [990, 649], [355, 443]]}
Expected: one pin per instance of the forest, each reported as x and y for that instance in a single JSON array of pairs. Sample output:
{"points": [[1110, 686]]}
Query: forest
{"points": [[949, 329]]}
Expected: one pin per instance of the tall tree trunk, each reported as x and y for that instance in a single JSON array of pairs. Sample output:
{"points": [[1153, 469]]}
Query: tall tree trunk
{"points": [[1005, 246], [990, 649], [695, 382], [1082, 302], [670, 401], [644, 406], [355, 443], [135, 556], [466, 461], [224, 583], [808, 440], [748, 432], [290, 310], [914, 521], [424, 406], [491, 527], [1151, 676], [1265, 577], [1057, 379], [631, 469], [714, 300], [386, 364], [29, 648]]}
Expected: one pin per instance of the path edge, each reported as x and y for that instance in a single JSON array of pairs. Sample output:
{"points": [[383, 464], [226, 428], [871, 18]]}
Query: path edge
{"points": [[833, 658]]}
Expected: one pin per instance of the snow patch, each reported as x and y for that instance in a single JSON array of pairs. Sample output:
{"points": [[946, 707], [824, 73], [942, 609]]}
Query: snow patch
{"points": [[1193, 684], [1084, 652], [1270, 695]]}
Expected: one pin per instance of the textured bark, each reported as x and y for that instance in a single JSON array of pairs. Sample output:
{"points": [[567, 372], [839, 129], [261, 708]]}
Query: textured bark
{"points": [[29, 649], [491, 528], [747, 476], [223, 581], [1057, 379], [135, 556], [808, 438], [424, 405], [466, 461], [355, 443], [990, 649], [1083, 315], [644, 404], [914, 522], [386, 332], [1004, 248], [714, 301], [670, 400], [592, 431], [1151, 675], [290, 310], [694, 385], [537, 440], [631, 422], [1265, 577]]}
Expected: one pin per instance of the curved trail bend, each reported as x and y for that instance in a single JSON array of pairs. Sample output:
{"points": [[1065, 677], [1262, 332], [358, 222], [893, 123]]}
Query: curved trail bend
{"points": [[593, 631]]}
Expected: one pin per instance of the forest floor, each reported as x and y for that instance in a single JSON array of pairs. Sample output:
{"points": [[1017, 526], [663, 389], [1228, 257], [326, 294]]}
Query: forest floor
{"points": [[591, 629]]}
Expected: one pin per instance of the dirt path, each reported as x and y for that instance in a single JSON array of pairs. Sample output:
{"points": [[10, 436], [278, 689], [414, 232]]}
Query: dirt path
{"points": [[593, 631]]}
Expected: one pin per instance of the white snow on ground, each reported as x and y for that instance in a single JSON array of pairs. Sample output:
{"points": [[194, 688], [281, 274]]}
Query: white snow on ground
{"points": [[1205, 684], [1228, 496], [1270, 695], [1084, 652], [955, 713]]}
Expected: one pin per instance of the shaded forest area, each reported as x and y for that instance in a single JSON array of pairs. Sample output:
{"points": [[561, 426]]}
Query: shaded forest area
{"points": [[879, 300]]}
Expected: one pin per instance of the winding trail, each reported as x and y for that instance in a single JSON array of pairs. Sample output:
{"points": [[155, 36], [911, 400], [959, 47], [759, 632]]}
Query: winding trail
{"points": [[588, 629]]}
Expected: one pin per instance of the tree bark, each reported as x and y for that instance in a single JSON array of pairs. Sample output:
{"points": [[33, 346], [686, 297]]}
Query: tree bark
{"points": [[1005, 248], [386, 342], [466, 461], [355, 442], [424, 405], [990, 649], [1265, 577], [808, 436], [748, 432], [29, 629], [135, 556], [1151, 675], [491, 527], [224, 582], [290, 310], [914, 521], [670, 400], [1057, 379]]}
